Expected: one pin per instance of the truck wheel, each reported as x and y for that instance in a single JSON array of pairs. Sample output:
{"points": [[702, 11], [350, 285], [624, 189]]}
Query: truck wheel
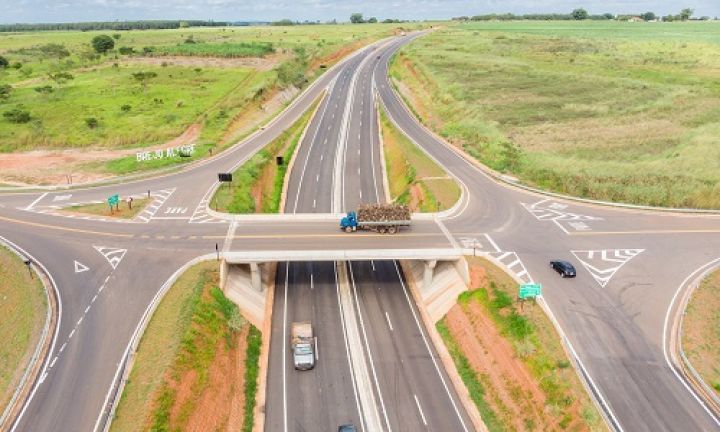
{"points": [[381, 230], [348, 229], [392, 230]]}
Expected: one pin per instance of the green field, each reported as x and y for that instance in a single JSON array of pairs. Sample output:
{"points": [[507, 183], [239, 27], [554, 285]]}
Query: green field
{"points": [[613, 111], [102, 104], [22, 306]]}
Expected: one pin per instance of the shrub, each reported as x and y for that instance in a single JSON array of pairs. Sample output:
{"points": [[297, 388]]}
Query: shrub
{"points": [[125, 108], [44, 89], [126, 50], [5, 90], [92, 122], [17, 115], [16, 65], [148, 49], [116, 36], [4, 62]]}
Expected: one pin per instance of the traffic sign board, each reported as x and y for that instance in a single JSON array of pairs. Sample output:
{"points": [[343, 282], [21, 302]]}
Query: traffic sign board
{"points": [[530, 291], [113, 199]]}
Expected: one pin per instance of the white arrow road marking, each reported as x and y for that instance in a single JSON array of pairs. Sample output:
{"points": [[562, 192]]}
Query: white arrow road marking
{"points": [[604, 263], [62, 197], [80, 267], [112, 255]]}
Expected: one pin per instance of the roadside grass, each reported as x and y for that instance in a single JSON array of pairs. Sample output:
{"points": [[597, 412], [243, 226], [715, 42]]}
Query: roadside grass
{"points": [[610, 111], [190, 338], [238, 49], [413, 177], [534, 344], [257, 184], [103, 209], [701, 331], [22, 306]]}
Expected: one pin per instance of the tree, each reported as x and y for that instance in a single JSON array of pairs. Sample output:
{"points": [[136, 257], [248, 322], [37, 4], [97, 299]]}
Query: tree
{"points": [[609, 16], [372, 20], [686, 13], [357, 18], [143, 78], [102, 43], [648, 16], [4, 62], [579, 14], [116, 36]]}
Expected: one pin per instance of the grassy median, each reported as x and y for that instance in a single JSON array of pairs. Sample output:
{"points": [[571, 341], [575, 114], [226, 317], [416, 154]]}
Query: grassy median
{"points": [[701, 331], [197, 364], [413, 177], [613, 111], [103, 209], [257, 185], [512, 360], [23, 307]]}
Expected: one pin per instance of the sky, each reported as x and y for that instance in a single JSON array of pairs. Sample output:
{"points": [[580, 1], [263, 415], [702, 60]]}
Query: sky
{"points": [[33, 11]]}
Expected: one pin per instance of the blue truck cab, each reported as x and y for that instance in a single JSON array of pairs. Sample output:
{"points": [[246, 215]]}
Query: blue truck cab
{"points": [[349, 223]]}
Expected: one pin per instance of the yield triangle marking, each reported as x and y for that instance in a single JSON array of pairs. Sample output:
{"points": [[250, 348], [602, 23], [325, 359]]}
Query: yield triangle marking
{"points": [[80, 267], [112, 255], [603, 264]]}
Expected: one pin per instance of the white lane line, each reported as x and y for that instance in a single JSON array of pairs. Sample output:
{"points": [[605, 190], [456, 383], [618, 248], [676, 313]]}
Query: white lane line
{"points": [[487, 236], [314, 202], [360, 193], [422, 414], [321, 157], [317, 178], [317, 350], [427, 346], [52, 363], [358, 152], [87, 309], [62, 348], [347, 351], [312, 281], [79, 321], [72, 333], [284, 349], [372, 263], [37, 200], [388, 321], [354, 296]]}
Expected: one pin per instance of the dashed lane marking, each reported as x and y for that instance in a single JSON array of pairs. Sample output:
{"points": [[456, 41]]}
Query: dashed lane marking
{"points": [[602, 264]]}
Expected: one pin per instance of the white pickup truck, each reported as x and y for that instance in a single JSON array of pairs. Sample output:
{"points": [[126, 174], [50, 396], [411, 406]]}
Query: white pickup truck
{"points": [[303, 345]]}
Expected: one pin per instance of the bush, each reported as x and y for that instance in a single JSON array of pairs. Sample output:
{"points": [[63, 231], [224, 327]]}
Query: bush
{"points": [[92, 122], [148, 49], [4, 62], [125, 108], [102, 43], [44, 89], [5, 90], [126, 50], [17, 115]]}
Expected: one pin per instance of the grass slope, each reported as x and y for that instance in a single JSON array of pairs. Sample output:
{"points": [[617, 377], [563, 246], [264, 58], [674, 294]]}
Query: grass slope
{"points": [[614, 111], [534, 344], [189, 338], [102, 209], [22, 306], [701, 331], [413, 177], [257, 184]]}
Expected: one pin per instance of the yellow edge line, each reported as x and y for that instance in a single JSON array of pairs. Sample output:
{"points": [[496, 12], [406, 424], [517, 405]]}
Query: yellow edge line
{"points": [[55, 227]]}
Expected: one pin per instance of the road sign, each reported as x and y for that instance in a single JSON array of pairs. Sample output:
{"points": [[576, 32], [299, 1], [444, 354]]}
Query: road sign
{"points": [[530, 291], [225, 177], [113, 199]]}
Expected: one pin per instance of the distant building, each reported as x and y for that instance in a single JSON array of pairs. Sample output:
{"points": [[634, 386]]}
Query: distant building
{"points": [[635, 19]]}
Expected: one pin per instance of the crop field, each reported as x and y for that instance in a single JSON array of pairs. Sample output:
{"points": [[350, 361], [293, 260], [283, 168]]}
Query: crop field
{"points": [[53, 74], [613, 111]]}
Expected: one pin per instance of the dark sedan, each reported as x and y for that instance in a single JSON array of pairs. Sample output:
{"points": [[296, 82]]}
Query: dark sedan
{"points": [[563, 267]]}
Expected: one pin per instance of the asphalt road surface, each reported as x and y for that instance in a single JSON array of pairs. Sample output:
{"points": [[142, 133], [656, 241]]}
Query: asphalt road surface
{"points": [[616, 314]]}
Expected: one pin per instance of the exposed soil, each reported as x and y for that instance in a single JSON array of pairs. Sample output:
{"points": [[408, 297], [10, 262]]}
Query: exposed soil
{"points": [[52, 167], [511, 390], [701, 330], [219, 405]]}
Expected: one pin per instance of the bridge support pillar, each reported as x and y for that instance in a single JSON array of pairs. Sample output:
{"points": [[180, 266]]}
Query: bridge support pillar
{"points": [[255, 277], [428, 273]]}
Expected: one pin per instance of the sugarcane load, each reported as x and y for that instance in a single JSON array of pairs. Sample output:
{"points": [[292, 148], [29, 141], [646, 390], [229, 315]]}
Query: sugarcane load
{"points": [[380, 217]]}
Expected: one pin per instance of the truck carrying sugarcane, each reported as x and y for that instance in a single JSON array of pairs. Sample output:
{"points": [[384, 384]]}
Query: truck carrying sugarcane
{"points": [[381, 217]]}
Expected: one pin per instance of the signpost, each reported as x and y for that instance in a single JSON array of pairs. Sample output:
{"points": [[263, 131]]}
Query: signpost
{"points": [[531, 290], [113, 200], [225, 177]]}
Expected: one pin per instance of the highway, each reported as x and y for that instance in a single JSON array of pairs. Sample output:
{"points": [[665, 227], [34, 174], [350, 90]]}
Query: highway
{"points": [[616, 315]]}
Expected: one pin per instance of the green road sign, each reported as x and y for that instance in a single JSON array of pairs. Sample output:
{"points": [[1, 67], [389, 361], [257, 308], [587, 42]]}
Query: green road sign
{"points": [[530, 291], [113, 200]]}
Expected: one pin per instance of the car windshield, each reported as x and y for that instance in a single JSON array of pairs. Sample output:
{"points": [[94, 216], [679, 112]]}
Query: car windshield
{"points": [[303, 350]]}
